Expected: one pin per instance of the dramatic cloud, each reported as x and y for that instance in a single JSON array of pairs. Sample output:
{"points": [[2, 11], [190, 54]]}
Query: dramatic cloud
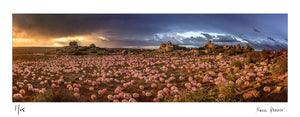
{"points": [[137, 30], [270, 38], [256, 30]]}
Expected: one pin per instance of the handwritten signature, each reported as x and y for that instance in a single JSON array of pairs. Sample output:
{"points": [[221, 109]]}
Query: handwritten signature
{"points": [[19, 108], [271, 109]]}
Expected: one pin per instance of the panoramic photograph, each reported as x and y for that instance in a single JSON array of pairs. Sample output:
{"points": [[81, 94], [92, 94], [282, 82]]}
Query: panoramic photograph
{"points": [[149, 58]]}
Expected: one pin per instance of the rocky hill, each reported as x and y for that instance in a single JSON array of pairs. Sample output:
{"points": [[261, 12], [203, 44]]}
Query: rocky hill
{"points": [[169, 47], [75, 49]]}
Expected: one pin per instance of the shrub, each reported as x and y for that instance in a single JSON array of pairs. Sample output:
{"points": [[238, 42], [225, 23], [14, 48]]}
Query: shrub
{"points": [[206, 60], [94, 51], [253, 57], [231, 77], [229, 52], [281, 67], [237, 64], [228, 90], [47, 53], [204, 95], [78, 53], [182, 48], [264, 54], [56, 95], [201, 48]]}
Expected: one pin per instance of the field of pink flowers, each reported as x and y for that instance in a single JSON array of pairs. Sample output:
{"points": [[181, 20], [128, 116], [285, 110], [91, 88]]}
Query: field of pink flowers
{"points": [[135, 78]]}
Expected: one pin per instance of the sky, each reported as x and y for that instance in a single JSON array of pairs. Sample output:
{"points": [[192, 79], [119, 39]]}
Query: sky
{"points": [[146, 30]]}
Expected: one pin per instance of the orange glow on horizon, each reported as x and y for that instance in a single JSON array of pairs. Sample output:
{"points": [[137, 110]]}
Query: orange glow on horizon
{"points": [[56, 42]]}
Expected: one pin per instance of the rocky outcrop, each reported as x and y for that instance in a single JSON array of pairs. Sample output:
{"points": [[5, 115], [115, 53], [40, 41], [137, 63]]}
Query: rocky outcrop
{"points": [[228, 49], [247, 46], [238, 46], [209, 45], [73, 44], [75, 49], [168, 47]]}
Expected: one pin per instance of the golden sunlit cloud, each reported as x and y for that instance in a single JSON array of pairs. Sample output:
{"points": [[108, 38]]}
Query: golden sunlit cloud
{"points": [[102, 38], [28, 38], [67, 39], [23, 42], [83, 40]]}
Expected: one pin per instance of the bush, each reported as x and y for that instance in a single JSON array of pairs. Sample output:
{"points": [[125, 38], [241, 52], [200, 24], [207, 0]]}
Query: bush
{"points": [[237, 64], [207, 94], [231, 77], [201, 48], [204, 95], [228, 90], [78, 53], [281, 67], [56, 95], [229, 53], [94, 51], [253, 57], [206, 60], [264, 54]]}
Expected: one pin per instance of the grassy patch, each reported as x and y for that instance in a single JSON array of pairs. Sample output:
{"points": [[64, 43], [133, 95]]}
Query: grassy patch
{"points": [[56, 95], [228, 90], [237, 64], [281, 67]]}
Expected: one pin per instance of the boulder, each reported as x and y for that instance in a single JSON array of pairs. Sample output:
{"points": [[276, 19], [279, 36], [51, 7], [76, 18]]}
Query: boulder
{"points": [[226, 47], [208, 44], [238, 46], [247, 46], [168, 47]]}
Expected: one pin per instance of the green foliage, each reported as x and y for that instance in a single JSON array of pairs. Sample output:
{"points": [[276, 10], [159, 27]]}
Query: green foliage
{"points": [[253, 57], [264, 54], [181, 48], [48, 53], [229, 53], [56, 95], [231, 77], [94, 51], [237, 63], [206, 60], [248, 60], [78, 53], [204, 95], [207, 94], [201, 48], [228, 90], [281, 67]]}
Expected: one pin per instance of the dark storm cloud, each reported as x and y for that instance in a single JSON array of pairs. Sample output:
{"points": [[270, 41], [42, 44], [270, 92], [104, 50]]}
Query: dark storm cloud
{"points": [[256, 30], [208, 36], [125, 26], [132, 29], [226, 39], [270, 38]]}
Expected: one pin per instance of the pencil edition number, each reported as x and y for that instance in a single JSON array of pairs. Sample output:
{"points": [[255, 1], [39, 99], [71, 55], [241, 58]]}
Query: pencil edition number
{"points": [[19, 109]]}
